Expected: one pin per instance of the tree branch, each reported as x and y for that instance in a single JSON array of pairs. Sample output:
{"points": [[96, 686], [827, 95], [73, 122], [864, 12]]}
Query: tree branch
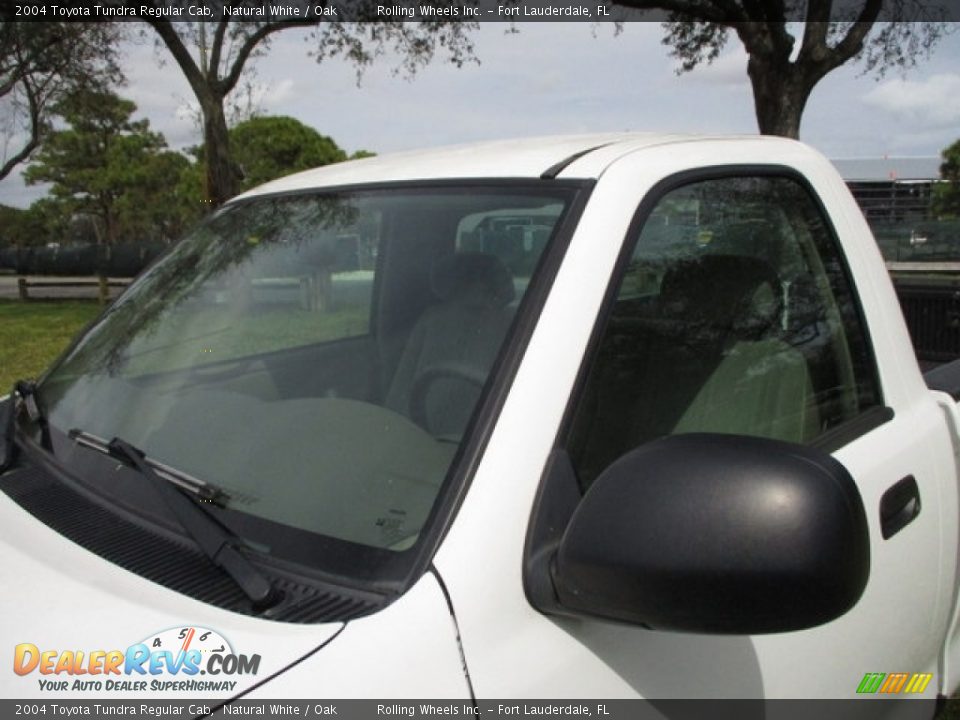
{"points": [[818, 12], [7, 86], [853, 42], [262, 33], [27, 60], [34, 141], [758, 10], [218, 37], [814, 41], [181, 55], [756, 39]]}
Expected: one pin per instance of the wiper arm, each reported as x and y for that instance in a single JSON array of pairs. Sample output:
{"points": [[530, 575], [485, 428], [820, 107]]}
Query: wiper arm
{"points": [[205, 491], [216, 541], [23, 397]]}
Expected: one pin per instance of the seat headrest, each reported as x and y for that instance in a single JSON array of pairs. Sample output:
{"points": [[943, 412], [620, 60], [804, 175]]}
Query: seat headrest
{"points": [[474, 278], [724, 293]]}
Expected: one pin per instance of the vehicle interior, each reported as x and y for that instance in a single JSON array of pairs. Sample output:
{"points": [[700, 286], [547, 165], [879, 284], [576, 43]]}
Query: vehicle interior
{"points": [[732, 317], [333, 351]]}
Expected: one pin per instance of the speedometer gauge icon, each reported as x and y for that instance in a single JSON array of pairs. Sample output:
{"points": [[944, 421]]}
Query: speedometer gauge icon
{"points": [[183, 639]]}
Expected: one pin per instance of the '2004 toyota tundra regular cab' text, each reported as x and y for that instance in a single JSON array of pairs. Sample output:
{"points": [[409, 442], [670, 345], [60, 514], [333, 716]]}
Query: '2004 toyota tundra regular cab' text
{"points": [[605, 416]]}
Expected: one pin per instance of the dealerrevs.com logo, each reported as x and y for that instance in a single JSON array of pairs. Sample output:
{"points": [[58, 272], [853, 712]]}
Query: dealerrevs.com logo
{"points": [[172, 660]]}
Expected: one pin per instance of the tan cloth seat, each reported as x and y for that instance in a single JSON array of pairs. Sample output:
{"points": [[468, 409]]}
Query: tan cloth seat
{"points": [[455, 342]]}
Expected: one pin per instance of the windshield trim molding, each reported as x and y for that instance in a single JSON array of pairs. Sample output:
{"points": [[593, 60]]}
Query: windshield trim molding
{"points": [[452, 184]]}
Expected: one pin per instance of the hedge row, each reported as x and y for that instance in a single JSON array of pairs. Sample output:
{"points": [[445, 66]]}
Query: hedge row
{"points": [[123, 260]]}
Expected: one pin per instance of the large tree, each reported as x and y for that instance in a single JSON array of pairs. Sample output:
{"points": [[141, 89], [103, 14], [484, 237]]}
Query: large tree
{"points": [[783, 73], [269, 147], [214, 55], [109, 167], [40, 63]]}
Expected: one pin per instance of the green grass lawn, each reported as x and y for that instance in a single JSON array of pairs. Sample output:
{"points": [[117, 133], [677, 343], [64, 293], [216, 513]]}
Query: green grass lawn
{"points": [[34, 333]]}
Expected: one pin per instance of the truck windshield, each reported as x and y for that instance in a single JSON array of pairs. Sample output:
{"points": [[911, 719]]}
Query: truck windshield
{"points": [[318, 357]]}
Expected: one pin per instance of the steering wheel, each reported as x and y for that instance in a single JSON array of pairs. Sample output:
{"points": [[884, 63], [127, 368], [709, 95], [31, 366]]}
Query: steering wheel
{"points": [[447, 371]]}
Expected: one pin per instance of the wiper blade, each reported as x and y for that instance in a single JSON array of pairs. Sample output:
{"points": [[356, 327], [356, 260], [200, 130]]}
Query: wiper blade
{"points": [[216, 541], [205, 491], [23, 398]]}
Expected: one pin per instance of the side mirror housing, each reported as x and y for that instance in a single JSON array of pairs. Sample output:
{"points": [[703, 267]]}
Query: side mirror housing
{"points": [[708, 533]]}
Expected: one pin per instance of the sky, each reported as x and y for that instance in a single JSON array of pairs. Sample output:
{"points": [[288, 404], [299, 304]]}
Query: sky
{"points": [[553, 78]]}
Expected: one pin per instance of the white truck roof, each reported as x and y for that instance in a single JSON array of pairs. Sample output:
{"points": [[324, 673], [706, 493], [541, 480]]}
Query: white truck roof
{"points": [[581, 156]]}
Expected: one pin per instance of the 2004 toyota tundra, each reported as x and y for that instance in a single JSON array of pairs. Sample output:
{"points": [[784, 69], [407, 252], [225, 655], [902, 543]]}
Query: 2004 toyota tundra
{"points": [[606, 416]]}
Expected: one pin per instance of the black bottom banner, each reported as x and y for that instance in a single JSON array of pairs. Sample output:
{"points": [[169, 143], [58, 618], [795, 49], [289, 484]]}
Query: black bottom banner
{"points": [[853, 709]]}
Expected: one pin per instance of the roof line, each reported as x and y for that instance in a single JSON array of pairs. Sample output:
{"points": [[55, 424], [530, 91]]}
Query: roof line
{"points": [[551, 172]]}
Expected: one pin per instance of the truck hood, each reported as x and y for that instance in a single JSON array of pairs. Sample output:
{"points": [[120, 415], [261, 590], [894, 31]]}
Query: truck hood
{"points": [[68, 614]]}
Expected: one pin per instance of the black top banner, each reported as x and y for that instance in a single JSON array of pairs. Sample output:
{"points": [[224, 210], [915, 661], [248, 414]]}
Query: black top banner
{"points": [[504, 11]]}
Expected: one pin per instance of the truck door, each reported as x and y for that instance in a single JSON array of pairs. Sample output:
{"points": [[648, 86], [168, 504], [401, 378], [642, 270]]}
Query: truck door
{"points": [[733, 309]]}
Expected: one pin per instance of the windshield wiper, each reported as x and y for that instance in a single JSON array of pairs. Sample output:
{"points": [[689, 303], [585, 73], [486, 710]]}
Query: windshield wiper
{"points": [[23, 397], [207, 492], [216, 541]]}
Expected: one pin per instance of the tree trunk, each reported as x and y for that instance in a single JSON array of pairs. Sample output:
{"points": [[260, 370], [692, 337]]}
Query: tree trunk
{"points": [[109, 227], [222, 181], [780, 94]]}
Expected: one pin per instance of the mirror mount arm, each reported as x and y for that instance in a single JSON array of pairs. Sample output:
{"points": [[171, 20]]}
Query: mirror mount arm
{"points": [[557, 498]]}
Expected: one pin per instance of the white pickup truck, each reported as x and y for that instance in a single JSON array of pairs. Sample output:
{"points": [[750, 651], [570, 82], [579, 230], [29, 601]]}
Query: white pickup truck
{"points": [[618, 416]]}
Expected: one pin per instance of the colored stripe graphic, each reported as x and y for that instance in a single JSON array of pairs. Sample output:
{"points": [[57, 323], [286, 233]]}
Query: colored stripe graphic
{"points": [[894, 683], [918, 683], [871, 683]]}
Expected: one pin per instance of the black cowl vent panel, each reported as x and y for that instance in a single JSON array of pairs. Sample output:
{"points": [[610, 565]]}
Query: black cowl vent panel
{"points": [[174, 565]]}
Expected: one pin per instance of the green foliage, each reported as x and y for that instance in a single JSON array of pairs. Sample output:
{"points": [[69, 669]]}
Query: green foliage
{"points": [[11, 219], [43, 222], [214, 60], [266, 148], [114, 169], [163, 203], [697, 37], [947, 198], [41, 63], [694, 43]]}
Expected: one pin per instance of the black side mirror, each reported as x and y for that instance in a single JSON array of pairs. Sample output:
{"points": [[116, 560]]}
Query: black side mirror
{"points": [[703, 533]]}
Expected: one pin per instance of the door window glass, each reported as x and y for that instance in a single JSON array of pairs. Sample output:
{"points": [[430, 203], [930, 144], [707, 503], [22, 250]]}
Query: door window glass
{"points": [[733, 315]]}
